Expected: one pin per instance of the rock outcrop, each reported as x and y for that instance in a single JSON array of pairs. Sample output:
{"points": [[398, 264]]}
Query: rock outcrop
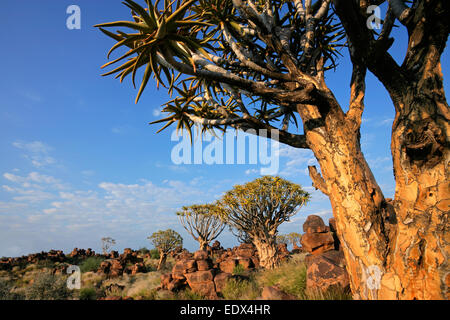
{"points": [[326, 270], [198, 272], [244, 254], [325, 263], [275, 293], [317, 237]]}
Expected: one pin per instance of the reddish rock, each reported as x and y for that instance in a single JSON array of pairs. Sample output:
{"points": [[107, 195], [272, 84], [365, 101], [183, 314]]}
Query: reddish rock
{"points": [[116, 268], [176, 284], [138, 267], [165, 280], [201, 255], [332, 224], [183, 266], [245, 250], [75, 253], [316, 243], [216, 246], [203, 265], [220, 280], [325, 270], [314, 224], [104, 267], [202, 282], [275, 293], [246, 263], [113, 254], [228, 265], [184, 255]]}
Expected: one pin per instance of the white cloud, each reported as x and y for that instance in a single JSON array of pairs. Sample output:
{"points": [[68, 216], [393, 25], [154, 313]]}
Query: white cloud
{"points": [[28, 195], [34, 180], [297, 161], [251, 171], [36, 152]]}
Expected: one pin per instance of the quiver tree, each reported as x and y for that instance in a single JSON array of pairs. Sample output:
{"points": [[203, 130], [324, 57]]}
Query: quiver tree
{"points": [[202, 222], [258, 208], [290, 239], [261, 65], [107, 244], [166, 242]]}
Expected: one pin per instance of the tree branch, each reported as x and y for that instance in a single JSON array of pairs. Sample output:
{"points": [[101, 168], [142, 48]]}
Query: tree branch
{"points": [[317, 179]]}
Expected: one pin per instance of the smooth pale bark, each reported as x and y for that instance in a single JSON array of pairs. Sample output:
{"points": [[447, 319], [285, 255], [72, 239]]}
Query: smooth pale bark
{"points": [[162, 260], [267, 252], [203, 243]]}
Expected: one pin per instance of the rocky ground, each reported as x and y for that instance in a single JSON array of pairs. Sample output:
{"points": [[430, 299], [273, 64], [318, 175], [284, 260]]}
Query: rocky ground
{"points": [[315, 271]]}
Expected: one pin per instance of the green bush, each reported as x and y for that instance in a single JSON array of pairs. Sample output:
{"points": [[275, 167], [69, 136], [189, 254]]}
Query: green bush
{"points": [[48, 287], [143, 250], [91, 264], [45, 264], [238, 270], [6, 292], [154, 253], [88, 294]]}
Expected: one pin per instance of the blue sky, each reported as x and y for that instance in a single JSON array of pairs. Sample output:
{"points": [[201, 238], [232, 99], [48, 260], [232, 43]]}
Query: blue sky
{"points": [[79, 160]]}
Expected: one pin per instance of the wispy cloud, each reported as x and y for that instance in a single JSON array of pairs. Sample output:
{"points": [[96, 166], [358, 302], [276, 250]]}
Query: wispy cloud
{"points": [[37, 152]]}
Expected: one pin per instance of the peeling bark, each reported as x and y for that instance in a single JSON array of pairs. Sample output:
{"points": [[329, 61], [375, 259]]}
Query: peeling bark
{"points": [[357, 201]]}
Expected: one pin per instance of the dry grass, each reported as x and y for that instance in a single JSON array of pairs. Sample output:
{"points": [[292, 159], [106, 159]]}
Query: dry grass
{"points": [[290, 276]]}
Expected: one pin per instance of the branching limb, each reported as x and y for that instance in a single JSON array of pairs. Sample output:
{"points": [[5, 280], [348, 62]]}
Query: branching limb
{"points": [[400, 10], [317, 179], [358, 88]]}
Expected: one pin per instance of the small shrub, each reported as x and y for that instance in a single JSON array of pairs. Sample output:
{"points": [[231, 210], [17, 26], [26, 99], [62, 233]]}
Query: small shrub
{"points": [[7, 293], [114, 290], [238, 270], [143, 250], [289, 276], [48, 287], [188, 294], [146, 294], [91, 264], [333, 293], [45, 264], [154, 253], [241, 289], [88, 294]]}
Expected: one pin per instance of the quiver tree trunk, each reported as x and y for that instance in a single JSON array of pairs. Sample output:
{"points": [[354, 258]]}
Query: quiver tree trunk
{"points": [[422, 201], [420, 150], [267, 252], [414, 226], [399, 249], [162, 260], [358, 204], [203, 243]]}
